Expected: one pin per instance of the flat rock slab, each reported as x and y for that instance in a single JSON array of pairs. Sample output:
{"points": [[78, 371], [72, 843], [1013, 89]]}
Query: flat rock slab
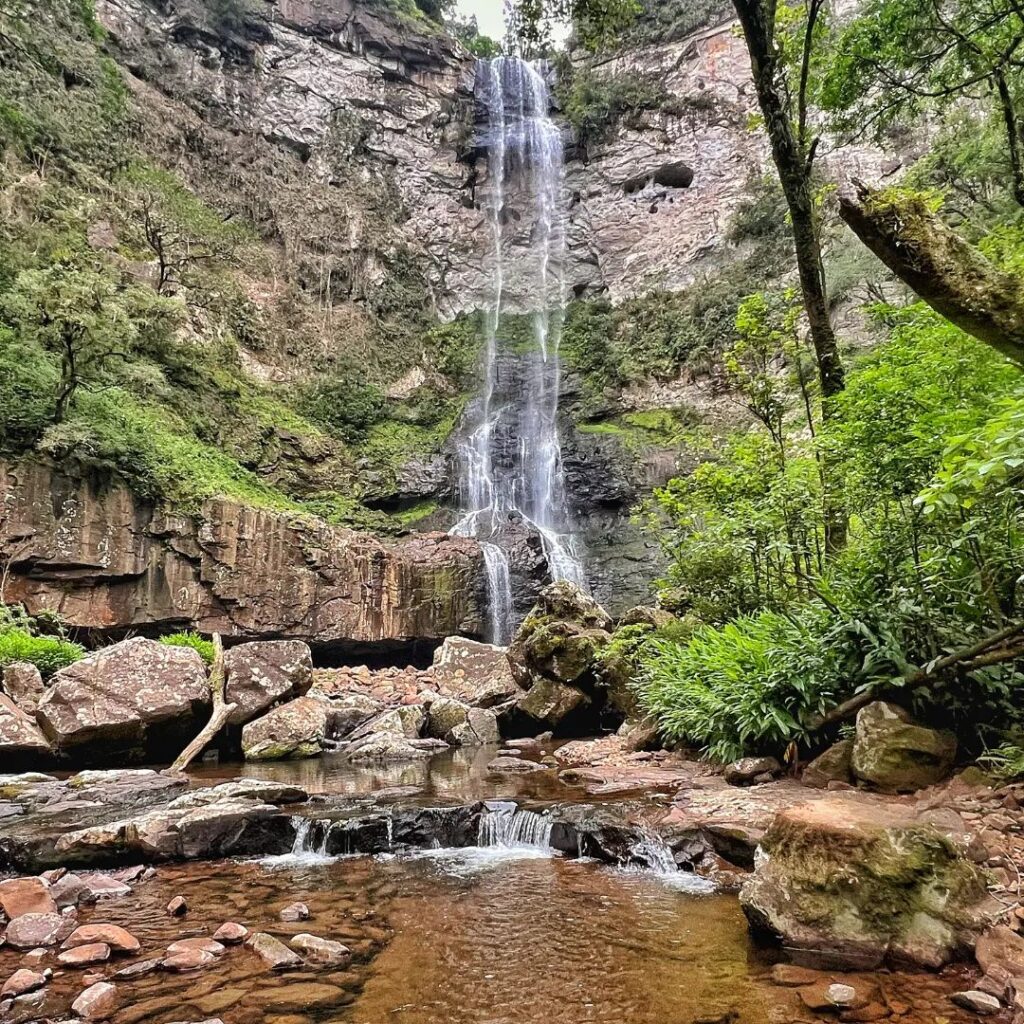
{"points": [[25, 896]]}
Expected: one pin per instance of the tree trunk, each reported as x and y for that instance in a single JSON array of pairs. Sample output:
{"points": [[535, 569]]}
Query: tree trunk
{"points": [[1013, 135], [794, 168], [953, 277], [221, 711]]}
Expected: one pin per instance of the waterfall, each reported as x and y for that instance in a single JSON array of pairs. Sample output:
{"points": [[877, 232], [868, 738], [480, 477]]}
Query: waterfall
{"points": [[513, 828], [654, 854], [309, 847], [511, 457]]}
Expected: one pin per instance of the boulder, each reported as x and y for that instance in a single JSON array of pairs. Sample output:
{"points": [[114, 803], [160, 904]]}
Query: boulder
{"points": [[83, 956], [407, 721], [21, 982], [977, 1002], [476, 673], [834, 765], [862, 883], [231, 934], [211, 946], [349, 711], [117, 938], [137, 698], [186, 960], [263, 673], [30, 931], [892, 753], [549, 702], [387, 746], [23, 683], [460, 724], [563, 651], [751, 769], [290, 731], [644, 615], [565, 601]]}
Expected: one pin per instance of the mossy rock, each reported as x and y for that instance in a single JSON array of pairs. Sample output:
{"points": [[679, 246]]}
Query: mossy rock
{"points": [[865, 882], [893, 754]]}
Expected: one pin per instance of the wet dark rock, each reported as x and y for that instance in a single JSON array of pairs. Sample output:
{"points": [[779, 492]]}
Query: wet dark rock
{"points": [[261, 674]]}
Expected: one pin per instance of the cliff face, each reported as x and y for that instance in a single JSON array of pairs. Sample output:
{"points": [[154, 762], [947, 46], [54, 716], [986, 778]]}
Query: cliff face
{"points": [[107, 561]]}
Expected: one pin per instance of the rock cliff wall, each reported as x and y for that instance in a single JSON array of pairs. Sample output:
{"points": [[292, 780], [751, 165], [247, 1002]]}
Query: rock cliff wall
{"points": [[105, 560]]}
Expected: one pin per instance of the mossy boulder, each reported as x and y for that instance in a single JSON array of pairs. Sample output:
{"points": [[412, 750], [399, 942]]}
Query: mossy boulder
{"points": [[833, 765], [893, 754], [861, 883], [550, 703], [291, 731]]}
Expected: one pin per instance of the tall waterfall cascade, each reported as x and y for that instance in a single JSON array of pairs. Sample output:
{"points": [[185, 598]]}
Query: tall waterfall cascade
{"points": [[511, 456]]}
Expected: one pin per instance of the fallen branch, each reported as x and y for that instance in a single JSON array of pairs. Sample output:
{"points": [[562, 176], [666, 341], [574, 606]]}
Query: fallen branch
{"points": [[221, 711], [992, 650], [948, 273]]}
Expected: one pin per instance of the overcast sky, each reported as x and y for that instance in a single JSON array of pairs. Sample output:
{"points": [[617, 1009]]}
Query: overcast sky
{"points": [[489, 14]]}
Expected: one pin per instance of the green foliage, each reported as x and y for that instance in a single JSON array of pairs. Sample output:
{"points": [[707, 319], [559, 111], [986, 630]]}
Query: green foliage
{"points": [[467, 31], [47, 653], [189, 638], [344, 406], [594, 104], [28, 384], [1005, 762]]}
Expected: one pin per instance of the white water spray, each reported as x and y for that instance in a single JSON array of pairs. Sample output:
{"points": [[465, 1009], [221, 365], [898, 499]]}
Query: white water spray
{"points": [[512, 457], [514, 829]]}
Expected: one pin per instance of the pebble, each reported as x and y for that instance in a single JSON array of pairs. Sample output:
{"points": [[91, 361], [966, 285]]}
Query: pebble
{"points": [[321, 951], [295, 912], [792, 976], [187, 960], [273, 952], [841, 995], [139, 970], [97, 1002], [203, 945], [177, 907]]}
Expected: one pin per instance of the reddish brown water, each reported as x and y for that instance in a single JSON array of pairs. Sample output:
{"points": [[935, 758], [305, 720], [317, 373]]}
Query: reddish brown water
{"points": [[463, 937]]}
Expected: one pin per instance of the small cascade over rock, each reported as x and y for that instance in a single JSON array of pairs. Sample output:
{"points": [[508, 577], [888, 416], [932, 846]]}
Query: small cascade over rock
{"points": [[512, 484], [309, 846], [513, 828], [653, 853]]}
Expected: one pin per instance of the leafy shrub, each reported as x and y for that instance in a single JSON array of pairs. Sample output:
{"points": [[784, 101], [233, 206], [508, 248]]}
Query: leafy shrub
{"points": [[595, 104], [1005, 762], [47, 653], [28, 390], [189, 638], [344, 406]]}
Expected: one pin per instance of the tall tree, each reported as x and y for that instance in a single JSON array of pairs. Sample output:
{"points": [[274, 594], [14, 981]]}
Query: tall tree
{"points": [[898, 58]]}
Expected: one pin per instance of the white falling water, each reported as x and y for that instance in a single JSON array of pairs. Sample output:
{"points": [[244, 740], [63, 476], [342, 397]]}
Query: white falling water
{"points": [[307, 850], [526, 479], [514, 829]]}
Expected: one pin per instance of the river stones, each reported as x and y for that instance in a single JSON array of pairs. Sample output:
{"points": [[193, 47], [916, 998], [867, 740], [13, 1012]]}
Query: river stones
{"points": [[273, 952], [834, 765], [295, 912], [25, 896], [893, 754], [231, 934], [210, 946], [748, 770], [178, 907], [97, 1002], [31, 930], [117, 938], [977, 1002], [263, 673], [865, 882], [187, 959], [515, 765], [23, 981], [321, 951], [82, 956]]}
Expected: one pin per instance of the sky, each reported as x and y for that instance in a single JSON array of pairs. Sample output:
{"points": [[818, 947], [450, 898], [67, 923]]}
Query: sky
{"points": [[489, 14]]}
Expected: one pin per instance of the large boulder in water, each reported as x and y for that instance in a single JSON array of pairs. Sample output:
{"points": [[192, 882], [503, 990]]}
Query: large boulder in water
{"points": [[294, 730], [460, 724], [474, 673], [264, 673], [861, 883], [893, 754], [138, 698]]}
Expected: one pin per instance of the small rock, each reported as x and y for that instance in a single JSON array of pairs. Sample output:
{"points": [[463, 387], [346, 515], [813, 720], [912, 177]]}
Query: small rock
{"points": [[843, 996], [138, 970], [98, 1002], [977, 1002], [515, 764], [747, 769], [177, 907], [321, 951], [792, 976], [82, 956], [205, 945], [21, 982], [272, 951], [36, 956], [187, 960], [295, 912], [106, 887], [231, 934], [118, 939]]}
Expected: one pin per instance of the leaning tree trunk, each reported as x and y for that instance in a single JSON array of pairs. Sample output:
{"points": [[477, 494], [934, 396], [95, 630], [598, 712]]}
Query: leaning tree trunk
{"points": [[221, 710], [794, 166], [948, 273]]}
